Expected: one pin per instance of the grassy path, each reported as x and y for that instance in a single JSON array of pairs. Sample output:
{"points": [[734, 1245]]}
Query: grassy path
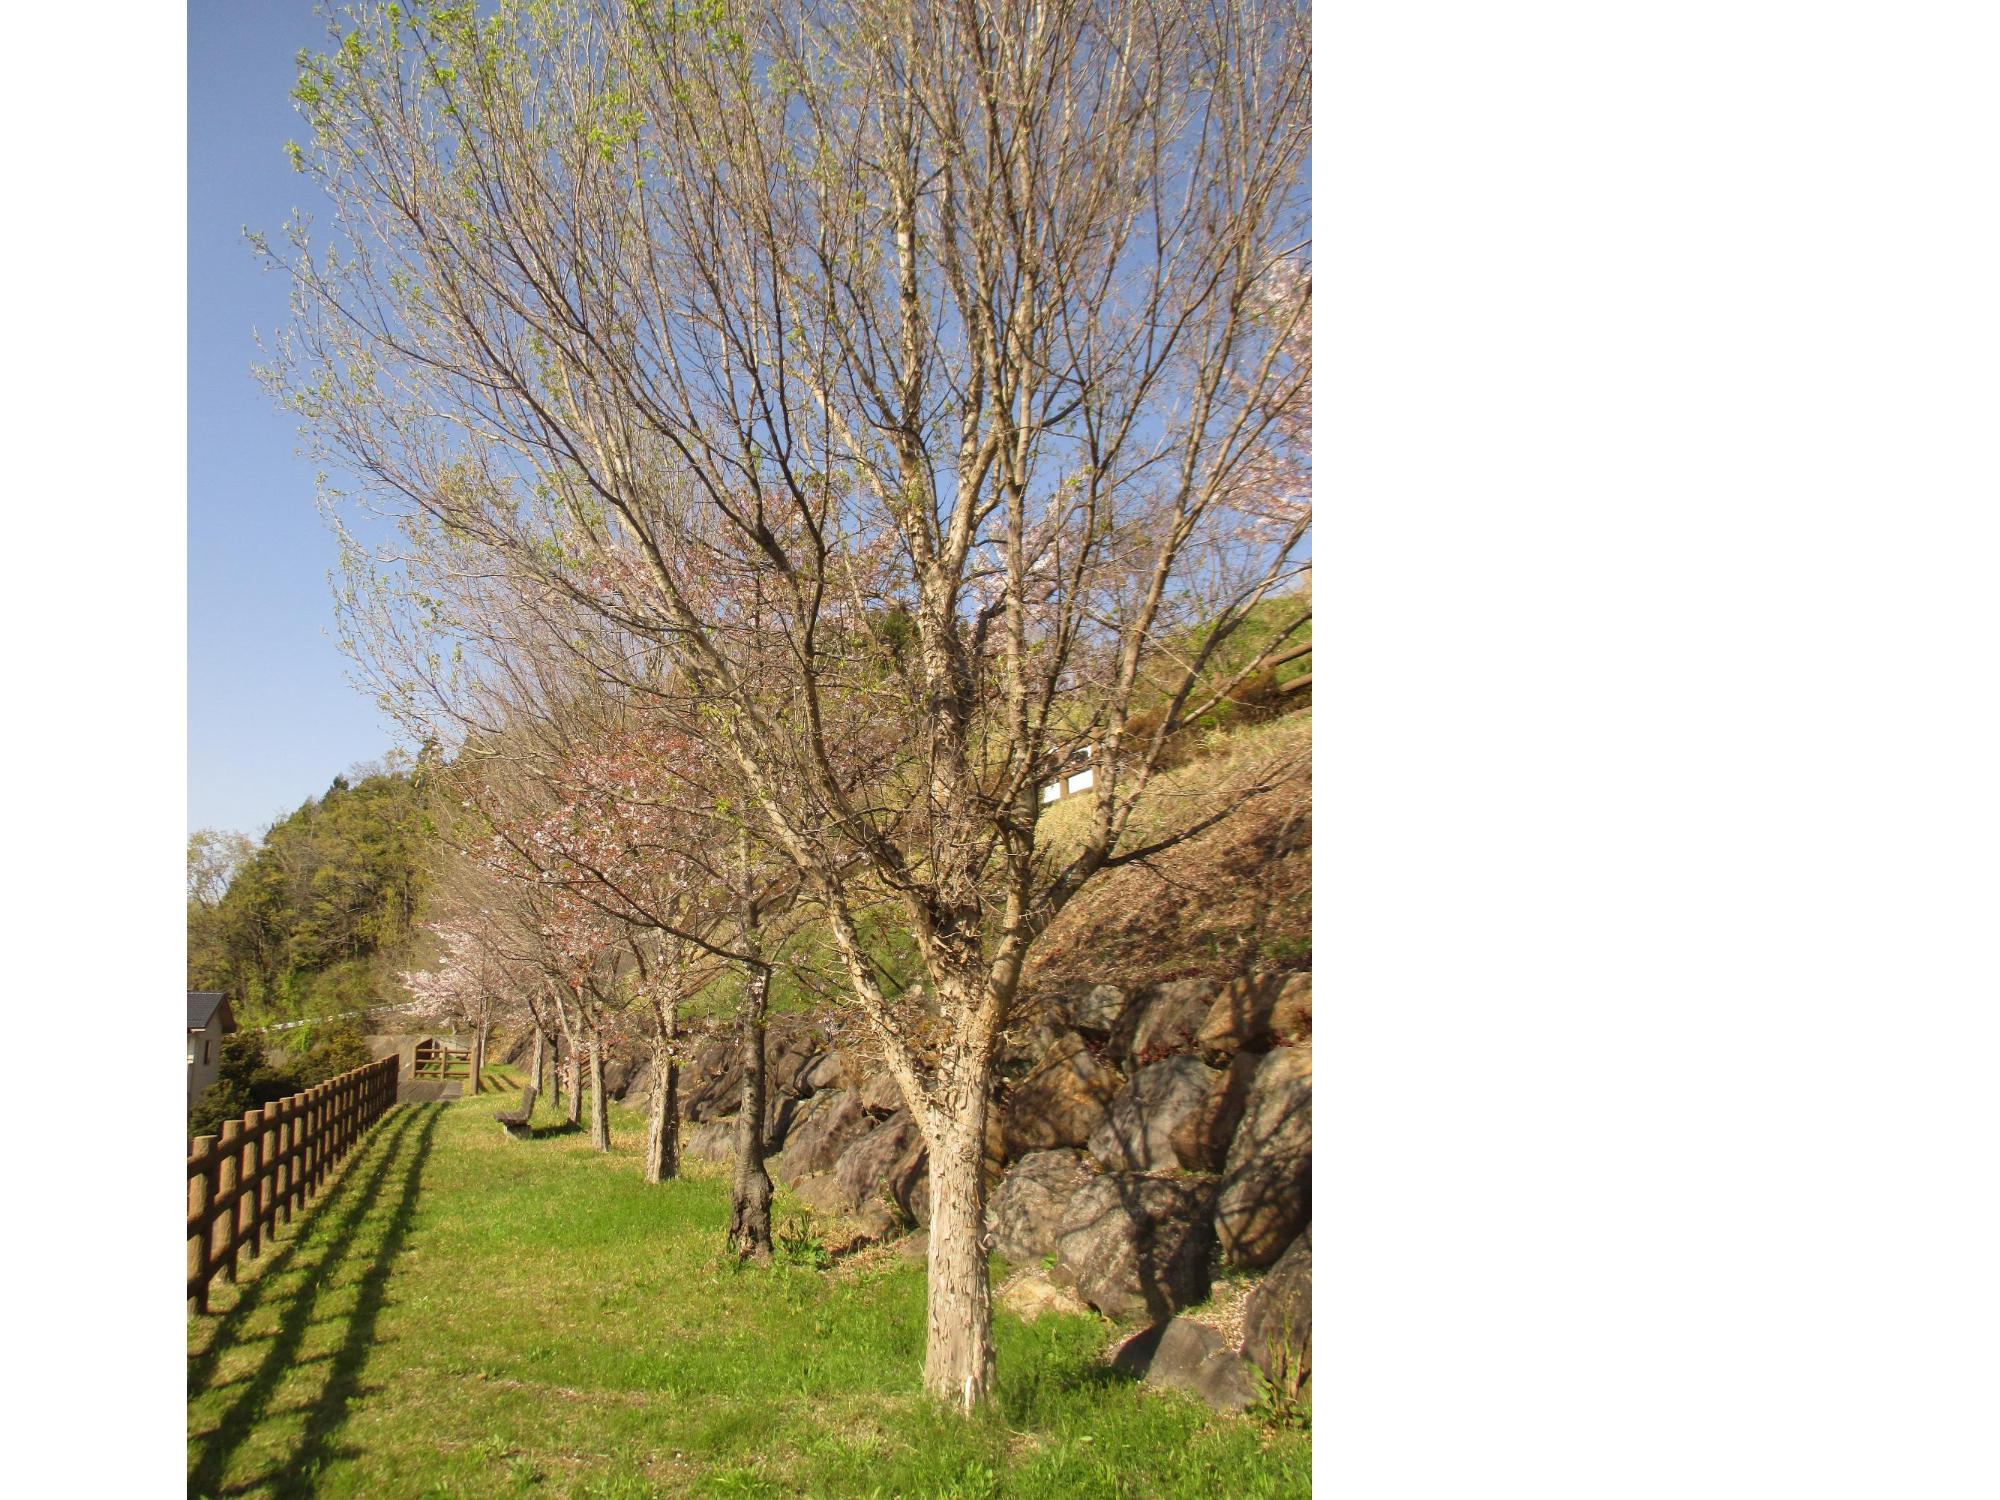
{"points": [[466, 1315]]}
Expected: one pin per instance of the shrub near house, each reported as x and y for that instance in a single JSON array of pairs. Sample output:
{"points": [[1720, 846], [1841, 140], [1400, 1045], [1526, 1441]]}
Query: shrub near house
{"points": [[246, 1078]]}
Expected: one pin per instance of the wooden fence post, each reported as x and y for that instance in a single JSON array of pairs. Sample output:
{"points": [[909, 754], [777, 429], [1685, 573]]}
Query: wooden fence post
{"points": [[297, 1105], [246, 1205], [198, 1200], [260, 1200], [281, 1183], [267, 1190], [226, 1174], [315, 1136]]}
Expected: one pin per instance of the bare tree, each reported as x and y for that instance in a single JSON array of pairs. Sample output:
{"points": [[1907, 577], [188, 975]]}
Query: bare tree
{"points": [[888, 386], [214, 855]]}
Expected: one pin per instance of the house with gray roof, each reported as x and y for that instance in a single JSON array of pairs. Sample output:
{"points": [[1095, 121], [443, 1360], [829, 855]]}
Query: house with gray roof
{"points": [[209, 1020]]}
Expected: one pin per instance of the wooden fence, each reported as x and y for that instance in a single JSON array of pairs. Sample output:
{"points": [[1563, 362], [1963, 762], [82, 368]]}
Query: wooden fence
{"points": [[268, 1165]]}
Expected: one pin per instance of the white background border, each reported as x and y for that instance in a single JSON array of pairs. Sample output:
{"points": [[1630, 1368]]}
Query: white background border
{"points": [[1658, 837]]}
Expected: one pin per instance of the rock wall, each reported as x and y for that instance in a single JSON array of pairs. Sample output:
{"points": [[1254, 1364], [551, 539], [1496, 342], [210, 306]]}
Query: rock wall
{"points": [[1137, 1142]]}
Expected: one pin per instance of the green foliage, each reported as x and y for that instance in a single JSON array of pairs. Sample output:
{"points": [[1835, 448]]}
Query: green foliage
{"points": [[1259, 628], [1255, 700], [329, 1052], [1279, 1403], [808, 966], [319, 915], [243, 1080], [797, 1243]]}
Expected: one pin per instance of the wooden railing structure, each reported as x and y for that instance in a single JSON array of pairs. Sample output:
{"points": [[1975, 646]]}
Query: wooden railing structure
{"points": [[438, 1060], [268, 1165]]}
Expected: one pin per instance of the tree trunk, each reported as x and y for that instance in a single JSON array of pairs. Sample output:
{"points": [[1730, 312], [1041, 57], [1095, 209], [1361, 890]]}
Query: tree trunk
{"points": [[663, 1121], [556, 1067], [535, 1079], [600, 1116], [750, 1191], [478, 1059], [958, 1351], [569, 1052]]}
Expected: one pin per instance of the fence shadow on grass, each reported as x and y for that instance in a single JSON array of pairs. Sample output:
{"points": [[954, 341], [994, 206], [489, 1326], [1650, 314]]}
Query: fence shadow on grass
{"points": [[262, 1276], [323, 1245]]}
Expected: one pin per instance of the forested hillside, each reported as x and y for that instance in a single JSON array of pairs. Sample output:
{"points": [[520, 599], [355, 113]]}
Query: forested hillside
{"points": [[317, 917]]}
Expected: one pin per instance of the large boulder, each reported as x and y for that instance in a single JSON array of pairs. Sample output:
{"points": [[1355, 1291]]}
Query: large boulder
{"points": [[779, 1112], [860, 1223], [1137, 1132], [1240, 1018], [712, 1081], [1025, 1211], [792, 1045], [621, 1064], [1182, 1355], [1024, 1044], [1225, 1381], [884, 1165], [1166, 1021], [1167, 1354], [829, 1071], [1265, 1199], [1137, 1245], [822, 1193], [1292, 1016], [826, 1126], [1277, 1320], [709, 1141], [1095, 1011], [1201, 1137], [1061, 1102], [1261, 1206], [1034, 1296], [881, 1094]]}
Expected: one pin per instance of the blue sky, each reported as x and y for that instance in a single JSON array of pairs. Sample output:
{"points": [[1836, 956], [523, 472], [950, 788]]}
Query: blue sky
{"points": [[271, 715]]}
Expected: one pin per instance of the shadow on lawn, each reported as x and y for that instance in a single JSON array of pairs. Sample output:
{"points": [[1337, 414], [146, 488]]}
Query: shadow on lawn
{"points": [[400, 1156]]}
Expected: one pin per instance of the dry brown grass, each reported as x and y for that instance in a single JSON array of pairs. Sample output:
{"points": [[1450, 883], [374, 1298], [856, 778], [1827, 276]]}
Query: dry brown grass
{"points": [[1236, 897]]}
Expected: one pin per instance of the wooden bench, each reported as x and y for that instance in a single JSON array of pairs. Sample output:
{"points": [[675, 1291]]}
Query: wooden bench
{"points": [[516, 1124]]}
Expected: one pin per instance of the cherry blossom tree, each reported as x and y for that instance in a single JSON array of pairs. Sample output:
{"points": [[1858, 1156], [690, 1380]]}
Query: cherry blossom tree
{"points": [[890, 392], [611, 814], [463, 990]]}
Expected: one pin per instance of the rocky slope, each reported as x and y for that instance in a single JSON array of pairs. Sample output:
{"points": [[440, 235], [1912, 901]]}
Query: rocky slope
{"points": [[1141, 1141]]}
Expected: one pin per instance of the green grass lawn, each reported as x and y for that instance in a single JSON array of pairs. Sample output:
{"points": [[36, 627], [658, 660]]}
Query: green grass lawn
{"points": [[462, 1314]]}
